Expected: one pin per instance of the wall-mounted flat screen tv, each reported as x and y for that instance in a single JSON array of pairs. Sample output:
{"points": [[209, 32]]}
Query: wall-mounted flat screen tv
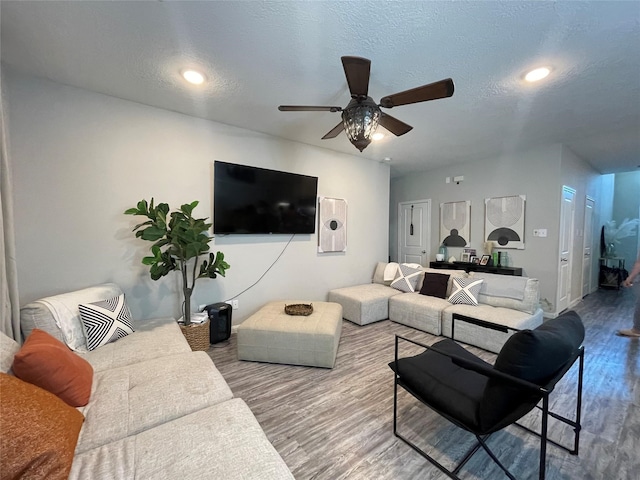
{"points": [[258, 200]]}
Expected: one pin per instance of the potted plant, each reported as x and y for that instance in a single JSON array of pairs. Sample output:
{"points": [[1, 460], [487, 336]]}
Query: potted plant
{"points": [[178, 244]]}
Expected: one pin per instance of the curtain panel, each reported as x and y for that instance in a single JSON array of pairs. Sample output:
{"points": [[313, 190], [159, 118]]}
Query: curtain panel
{"points": [[9, 302]]}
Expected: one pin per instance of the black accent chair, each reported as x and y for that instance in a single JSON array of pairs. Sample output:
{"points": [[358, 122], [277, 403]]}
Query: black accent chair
{"points": [[482, 398]]}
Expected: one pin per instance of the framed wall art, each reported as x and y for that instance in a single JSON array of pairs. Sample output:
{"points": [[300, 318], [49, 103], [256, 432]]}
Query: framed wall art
{"points": [[332, 225], [455, 218], [504, 221]]}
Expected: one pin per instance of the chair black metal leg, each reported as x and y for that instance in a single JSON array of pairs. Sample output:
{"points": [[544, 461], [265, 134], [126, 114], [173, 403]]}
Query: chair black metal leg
{"points": [[467, 456], [415, 447], [543, 437], [494, 458], [395, 406], [577, 428]]}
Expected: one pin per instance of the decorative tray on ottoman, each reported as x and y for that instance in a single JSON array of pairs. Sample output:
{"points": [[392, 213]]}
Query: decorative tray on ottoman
{"points": [[299, 309]]}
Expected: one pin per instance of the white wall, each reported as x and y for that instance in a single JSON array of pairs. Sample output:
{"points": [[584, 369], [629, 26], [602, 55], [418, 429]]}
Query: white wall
{"points": [[80, 159], [536, 173]]}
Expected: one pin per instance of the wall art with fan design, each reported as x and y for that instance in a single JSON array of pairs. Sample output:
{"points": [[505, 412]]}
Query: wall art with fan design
{"points": [[332, 225], [504, 221], [455, 219]]}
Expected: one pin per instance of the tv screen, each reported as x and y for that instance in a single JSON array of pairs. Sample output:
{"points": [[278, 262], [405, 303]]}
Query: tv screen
{"points": [[257, 200]]}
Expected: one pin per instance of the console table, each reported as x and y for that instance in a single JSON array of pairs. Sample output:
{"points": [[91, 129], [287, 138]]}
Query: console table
{"points": [[474, 267], [611, 272]]}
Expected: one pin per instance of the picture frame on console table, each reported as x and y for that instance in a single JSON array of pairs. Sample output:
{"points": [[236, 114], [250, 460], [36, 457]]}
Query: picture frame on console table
{"points": [[465, 258], [485, 259]]}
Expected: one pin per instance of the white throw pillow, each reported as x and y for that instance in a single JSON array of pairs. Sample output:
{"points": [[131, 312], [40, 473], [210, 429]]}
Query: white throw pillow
{"points": [[105, 321], [407, 278], [465, 291]]}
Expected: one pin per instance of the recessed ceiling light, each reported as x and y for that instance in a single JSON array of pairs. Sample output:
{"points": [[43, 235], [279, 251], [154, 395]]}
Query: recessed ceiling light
{"points": [[537, 74], [377, 136], [192, 76]]}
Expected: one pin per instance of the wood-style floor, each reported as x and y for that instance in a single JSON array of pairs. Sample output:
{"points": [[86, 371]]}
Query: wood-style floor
{"points": [[337, 424]]}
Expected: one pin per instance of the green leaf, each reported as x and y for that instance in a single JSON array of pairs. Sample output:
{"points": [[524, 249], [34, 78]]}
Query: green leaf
{"points": [[131, 211], [153, 233], [187, 208], [148, 222], [149, 260]]}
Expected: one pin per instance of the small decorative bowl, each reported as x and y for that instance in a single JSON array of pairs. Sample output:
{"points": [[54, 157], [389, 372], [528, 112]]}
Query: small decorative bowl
{"points": [[302, 309]]}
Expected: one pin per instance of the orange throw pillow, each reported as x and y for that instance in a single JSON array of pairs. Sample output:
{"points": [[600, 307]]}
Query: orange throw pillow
{"points": [[39, 432], [48, 363]]}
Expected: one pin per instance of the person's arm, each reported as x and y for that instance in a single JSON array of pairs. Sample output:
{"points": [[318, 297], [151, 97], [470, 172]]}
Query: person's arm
{"points": [[634, 273]]}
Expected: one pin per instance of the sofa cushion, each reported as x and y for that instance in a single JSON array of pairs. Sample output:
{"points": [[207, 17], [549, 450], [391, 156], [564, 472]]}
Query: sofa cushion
{"points": [[435, 285], [39, 431], [418, 311], [220, 442], [48, 363], [153, 338], [8, 348], [465, 291], [128, 400], [59, 315], [105, 321], [407, 278], [523, 294]]}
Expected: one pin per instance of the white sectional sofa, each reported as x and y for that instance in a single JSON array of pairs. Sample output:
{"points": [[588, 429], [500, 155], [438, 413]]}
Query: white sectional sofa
{"points": [[157, 410], [506, 301]]}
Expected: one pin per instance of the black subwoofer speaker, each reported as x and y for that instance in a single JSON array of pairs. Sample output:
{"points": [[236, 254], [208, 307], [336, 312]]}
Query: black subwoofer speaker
{"points": [[220, 321]]}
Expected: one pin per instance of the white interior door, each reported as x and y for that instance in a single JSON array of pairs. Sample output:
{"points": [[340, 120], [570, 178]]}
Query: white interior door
{"points": [[567, 210], [414, 235], [587, 257]]}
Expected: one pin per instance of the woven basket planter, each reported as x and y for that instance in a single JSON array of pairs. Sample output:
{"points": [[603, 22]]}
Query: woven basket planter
{"points": [[197, 335]]}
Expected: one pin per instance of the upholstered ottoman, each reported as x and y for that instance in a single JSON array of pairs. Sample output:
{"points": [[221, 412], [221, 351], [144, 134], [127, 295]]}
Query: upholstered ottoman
{"points": [[270, 335], [364, 304]]}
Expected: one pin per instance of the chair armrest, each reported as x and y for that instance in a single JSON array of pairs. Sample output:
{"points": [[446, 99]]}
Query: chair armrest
{"points": [[481, 323], [478, 368]]}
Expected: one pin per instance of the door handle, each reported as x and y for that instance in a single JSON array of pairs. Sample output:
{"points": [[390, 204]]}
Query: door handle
{"points": [[424, 251], [564, 260]]}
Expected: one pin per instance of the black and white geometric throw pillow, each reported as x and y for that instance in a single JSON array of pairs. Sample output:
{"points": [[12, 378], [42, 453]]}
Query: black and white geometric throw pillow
{"points": [[105, 321], [465, 291], [406, 278]]}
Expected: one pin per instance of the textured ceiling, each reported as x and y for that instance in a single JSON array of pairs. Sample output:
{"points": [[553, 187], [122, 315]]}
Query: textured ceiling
{"points": [[258, 55]]}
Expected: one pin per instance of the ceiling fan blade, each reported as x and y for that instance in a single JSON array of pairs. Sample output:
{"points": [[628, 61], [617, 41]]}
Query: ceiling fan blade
{"points": [[433, 91], [308, 108], [335, 131], [394, 125], [357, 70]]}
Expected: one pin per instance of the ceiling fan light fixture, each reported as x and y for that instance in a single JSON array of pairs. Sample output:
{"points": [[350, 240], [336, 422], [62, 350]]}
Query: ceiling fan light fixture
{"points": [[537, 74], [360, 121], [193, 76], [377, 136]]}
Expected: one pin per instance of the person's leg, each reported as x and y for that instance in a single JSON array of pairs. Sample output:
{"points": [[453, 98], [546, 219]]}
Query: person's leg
{"points": [[635, 331], [636, 317]]}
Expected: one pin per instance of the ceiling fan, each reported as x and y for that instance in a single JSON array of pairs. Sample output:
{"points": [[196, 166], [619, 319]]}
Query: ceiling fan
{"points": [[361, 117]]}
